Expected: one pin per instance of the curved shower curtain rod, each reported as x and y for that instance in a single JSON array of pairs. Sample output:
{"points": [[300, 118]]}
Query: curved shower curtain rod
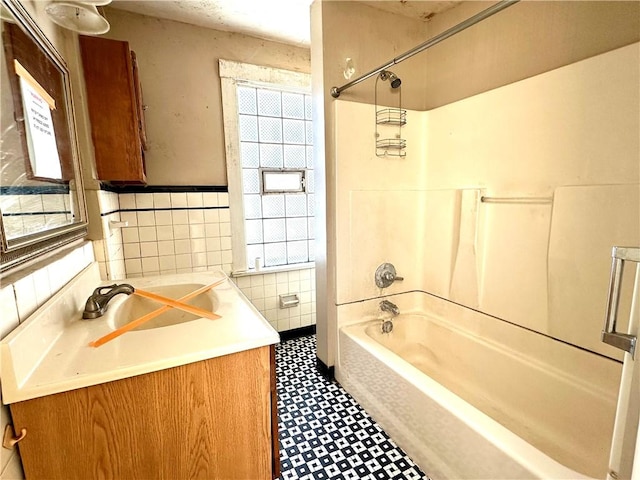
{"points": [[335, 91]]}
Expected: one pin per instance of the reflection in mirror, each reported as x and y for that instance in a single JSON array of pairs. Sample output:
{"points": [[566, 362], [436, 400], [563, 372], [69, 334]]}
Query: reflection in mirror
{"points": [[41, 198]]}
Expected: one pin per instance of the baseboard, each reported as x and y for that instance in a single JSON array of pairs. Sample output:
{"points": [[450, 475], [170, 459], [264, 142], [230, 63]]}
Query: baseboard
{"points": [[327, 372], [297, 333]]}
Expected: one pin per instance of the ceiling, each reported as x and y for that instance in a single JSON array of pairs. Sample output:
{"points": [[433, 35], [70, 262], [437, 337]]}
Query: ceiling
{"points": [[285, 21]]}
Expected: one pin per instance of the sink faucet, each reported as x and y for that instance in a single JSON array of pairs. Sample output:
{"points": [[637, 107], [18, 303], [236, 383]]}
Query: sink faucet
{"points": [[392, 308], [97, 303]]}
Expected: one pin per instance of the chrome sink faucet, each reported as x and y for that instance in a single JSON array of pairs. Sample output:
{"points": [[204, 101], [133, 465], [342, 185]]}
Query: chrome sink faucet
{"points": [[97, 303], [392, 308]]}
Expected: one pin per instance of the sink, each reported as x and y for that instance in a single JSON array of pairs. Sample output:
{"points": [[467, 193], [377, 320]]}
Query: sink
{"points": [[133, 307]]}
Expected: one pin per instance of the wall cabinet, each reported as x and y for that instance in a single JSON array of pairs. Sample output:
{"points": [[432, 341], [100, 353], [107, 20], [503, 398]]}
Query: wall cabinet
{"points": [[114, 98], [213, 419]]}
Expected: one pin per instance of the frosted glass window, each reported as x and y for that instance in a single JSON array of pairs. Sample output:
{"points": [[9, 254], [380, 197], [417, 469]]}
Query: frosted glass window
{"points": [[271, 155], [253, 206], [270, 130], [250, 181], [275, 254], [273, 206], [276, 155], [248, 128], [297, 252], [269, 103], [253, 252], [308, 128], [274, 230], [253, 231], [308, 110], [249, 155], [310, 205], [309, 157], [281, 181], [293, 105], [310, 227], [247, 100], [294, 156], [296, 228], [296, 205], [293, 131]]}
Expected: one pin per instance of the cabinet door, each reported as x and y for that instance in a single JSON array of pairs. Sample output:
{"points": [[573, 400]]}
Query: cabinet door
{"points": [[113, 109], [209, 419]]}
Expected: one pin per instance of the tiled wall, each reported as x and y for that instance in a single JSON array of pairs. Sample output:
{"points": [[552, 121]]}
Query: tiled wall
{"points": [[20, 295], [264, 292], [179, 232]]}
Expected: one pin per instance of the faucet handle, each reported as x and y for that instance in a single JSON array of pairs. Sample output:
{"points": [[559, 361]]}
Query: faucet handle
{"points": [[386, 275]]}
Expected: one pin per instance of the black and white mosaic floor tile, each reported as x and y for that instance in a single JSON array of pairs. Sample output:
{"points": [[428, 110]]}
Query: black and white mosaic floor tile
{"points": [[324, 433]]}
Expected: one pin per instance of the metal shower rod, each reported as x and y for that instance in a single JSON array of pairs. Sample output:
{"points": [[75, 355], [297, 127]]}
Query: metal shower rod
{"points": [[335, 91]]}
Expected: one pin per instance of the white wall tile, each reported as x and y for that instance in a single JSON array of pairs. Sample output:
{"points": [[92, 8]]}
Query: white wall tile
{"points": [[164, 217], [167, 262], [178, 199], [150, 265], [183, 246], [144, 200], [132, 266], [127, 201], [131, 250], [165, 232], [196, 216], [180, 231], [162, 200], [212, 216], [147, 234], [194, 199], [223, 199], [210, 199], [148, 249], [9, 318], [130, 234], [146, 219], [26, 299], [180, 217]]}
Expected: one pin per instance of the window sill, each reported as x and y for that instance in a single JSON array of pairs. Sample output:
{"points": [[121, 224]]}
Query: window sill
{"points": [[282, 268]]}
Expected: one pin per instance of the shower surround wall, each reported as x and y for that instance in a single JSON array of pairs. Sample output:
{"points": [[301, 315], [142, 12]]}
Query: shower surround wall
{"points": [[569, 137]]}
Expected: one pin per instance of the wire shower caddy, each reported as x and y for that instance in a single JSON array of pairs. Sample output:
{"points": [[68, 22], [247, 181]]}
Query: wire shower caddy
{"points": [[387, 118]]}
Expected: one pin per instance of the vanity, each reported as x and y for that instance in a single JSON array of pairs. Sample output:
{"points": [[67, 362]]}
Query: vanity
{"points": [[192, 398]]}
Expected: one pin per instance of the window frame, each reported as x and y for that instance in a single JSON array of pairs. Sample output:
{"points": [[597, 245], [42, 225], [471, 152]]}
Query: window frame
{"points": [[232, 75]]}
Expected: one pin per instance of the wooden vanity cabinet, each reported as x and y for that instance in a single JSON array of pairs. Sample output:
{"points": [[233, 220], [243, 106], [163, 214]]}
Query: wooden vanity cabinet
{"points": [[114, 98], [214, 419]]}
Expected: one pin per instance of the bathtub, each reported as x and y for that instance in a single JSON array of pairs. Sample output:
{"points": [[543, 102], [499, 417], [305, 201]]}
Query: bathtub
{"points": [[465, 407]]}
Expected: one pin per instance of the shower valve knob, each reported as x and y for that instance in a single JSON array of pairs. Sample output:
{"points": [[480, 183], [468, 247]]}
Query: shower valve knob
{"points": [[386, 275]]}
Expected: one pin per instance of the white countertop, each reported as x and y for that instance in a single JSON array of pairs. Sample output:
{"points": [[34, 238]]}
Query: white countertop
{"points": [[50, 352]]}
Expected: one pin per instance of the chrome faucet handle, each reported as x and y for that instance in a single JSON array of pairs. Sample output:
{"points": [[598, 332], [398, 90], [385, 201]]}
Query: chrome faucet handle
{"points": [[386, 275]]}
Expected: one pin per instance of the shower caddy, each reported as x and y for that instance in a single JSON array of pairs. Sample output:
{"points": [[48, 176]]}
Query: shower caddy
{"points": [[388, 119]]}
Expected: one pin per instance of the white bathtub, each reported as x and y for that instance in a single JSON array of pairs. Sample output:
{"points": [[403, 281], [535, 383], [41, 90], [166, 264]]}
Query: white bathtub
{"points": [[467, 407]]}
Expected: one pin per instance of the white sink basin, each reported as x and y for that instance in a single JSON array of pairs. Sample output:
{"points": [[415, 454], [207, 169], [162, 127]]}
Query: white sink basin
{"points": [[134, 306], [51, 353]]}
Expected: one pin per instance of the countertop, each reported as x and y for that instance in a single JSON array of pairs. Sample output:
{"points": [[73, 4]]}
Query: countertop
{"points": [[50, 352]]}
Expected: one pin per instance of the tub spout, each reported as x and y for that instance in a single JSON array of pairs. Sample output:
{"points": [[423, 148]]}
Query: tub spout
{"points": [[392, 308], [97, 303]]}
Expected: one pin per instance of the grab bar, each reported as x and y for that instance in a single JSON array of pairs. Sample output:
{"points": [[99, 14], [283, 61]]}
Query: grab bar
{"points": [[525, 200], [622, 341]]}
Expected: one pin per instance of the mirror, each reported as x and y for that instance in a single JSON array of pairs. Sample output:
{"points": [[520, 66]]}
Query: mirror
{"points": [[41, 195]]}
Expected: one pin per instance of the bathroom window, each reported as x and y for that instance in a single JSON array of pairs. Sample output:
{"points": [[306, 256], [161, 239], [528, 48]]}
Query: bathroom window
{"points": [[270, 169]]}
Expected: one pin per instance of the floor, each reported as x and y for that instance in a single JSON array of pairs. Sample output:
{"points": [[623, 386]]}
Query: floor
{"points": [[324, 433]]}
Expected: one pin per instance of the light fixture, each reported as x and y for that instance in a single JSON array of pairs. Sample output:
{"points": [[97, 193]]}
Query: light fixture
{"points": [[82, 17]]}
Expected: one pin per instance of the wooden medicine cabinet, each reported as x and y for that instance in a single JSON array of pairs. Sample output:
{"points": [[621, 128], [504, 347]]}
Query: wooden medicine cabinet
{"points": [[114, 97]]}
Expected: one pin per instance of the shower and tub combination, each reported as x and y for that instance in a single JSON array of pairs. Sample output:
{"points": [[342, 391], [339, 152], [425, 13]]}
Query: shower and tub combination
{"points": [[466, 401]]}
